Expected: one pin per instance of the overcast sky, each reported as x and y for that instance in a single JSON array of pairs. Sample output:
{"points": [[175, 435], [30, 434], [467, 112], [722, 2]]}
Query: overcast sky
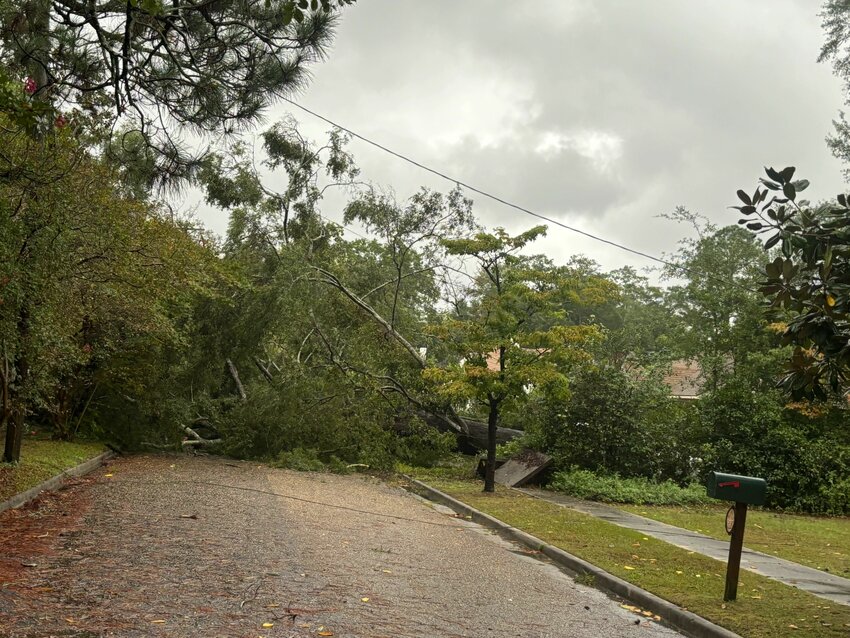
{"points": [[602, 114]]}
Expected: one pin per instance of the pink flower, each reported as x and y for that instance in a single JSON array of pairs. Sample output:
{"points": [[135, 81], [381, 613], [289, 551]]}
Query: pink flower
{"points": [[30, 86], [61, 121], [86, 348]]}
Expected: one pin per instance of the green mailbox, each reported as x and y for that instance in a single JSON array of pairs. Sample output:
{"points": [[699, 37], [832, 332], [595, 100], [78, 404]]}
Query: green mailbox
{"points": [[741, 489]]}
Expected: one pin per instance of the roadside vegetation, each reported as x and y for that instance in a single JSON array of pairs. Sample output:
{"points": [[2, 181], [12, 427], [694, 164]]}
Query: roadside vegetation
{"points": [[764, 608], [613, 489], [43, 459]]}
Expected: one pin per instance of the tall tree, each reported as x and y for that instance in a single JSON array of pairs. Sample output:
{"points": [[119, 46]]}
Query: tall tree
{"points": [[160, 66], [717, 302], [86, 273], [835, 16]]}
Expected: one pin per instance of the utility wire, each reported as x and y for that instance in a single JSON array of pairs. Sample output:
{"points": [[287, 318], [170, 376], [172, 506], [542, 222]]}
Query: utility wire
{"points": [[343, 226], [510, 204], [287, 496]]}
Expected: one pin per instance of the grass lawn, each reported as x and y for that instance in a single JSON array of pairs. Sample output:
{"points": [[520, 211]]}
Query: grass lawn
{"points": [[40, 460], [764, 608], [822, 543]]}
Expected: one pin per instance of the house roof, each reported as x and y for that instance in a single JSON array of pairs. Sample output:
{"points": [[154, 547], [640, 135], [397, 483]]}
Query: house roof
{"points": [[684, 379], [493, 357]]}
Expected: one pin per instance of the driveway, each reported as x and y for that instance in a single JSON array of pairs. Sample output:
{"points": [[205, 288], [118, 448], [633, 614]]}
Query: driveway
{"points": [[180, 546]]}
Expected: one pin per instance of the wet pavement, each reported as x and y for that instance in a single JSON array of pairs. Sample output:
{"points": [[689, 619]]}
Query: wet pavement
{"points": [[183, 546]]}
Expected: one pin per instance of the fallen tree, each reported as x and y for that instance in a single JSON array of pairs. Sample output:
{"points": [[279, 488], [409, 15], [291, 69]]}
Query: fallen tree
{"points": [[472, 434], [474, 438]]}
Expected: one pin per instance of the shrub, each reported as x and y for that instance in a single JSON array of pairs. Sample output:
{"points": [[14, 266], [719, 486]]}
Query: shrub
{"points": [[616, 423], [423, 446], [803, 458], [301, 460], [614, 489]]}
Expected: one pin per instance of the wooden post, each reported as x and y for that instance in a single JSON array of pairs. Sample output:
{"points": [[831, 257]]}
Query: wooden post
{"points": [[736, 545]]}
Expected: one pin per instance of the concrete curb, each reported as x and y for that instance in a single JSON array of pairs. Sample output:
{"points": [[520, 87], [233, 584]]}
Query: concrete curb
{"points": [[680, 619], [51, 484]]}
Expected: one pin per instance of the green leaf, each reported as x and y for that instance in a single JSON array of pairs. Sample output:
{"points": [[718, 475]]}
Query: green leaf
{"points": [[787, 269], [789, 191], [744, 197], [770, 243], [153, 7], [787, 173]]}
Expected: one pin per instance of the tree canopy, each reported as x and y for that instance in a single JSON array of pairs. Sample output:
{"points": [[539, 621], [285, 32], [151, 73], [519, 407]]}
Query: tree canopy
{"points": [[154, 67]]}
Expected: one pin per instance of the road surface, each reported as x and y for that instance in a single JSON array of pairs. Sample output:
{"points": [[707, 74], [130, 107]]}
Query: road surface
{"points": [[179, 546]]}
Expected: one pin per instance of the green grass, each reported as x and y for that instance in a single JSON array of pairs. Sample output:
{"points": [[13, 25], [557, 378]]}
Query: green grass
{"points": [[458, 466], [764, 608], [822, 543], [40, 460]]}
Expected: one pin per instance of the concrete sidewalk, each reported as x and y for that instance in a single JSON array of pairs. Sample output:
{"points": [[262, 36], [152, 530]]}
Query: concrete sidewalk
{"points": [[814, 581]]}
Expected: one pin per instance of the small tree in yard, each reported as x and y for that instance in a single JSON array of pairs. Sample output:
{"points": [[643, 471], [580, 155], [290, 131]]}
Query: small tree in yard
{"points": [[509, 332]]}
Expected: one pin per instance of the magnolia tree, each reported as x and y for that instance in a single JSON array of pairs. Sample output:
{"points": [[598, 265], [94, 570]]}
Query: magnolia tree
{"points": [[508, 334], [807, 286]]}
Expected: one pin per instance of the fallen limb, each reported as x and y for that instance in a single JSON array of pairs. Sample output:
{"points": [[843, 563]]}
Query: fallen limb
{"points": [[474, 436], [234, 373], [197, 439]]}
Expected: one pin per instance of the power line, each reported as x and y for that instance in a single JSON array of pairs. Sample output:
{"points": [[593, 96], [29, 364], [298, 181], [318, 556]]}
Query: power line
{"points": [[286, 496], [343, 226], [510, 204]]}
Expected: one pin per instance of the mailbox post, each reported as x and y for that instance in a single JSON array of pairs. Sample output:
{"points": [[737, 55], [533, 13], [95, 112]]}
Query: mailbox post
{"points": [[743, 490]]}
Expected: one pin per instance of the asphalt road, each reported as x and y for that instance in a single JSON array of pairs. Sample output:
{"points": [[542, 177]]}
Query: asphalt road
{"points": [[182, 546]]}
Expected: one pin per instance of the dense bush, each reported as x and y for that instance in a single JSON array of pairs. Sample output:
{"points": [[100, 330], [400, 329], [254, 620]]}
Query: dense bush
{"points": [[801, 455], [614, 489], [617, 425], [616, 422]]}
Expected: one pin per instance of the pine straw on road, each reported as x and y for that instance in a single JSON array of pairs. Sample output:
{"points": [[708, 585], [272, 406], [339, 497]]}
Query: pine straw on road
{"points": [[180, 546]]}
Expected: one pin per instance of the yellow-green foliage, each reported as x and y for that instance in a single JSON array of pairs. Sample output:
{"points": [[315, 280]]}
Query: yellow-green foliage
{"points": [[515, 334]]}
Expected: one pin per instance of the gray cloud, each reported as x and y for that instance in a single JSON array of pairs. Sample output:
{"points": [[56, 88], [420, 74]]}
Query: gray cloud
{"points": [[602, 114]]}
